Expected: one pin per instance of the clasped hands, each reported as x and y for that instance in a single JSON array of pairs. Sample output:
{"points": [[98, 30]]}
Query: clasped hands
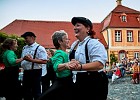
{"points": [[28, 58], [73, 65]]}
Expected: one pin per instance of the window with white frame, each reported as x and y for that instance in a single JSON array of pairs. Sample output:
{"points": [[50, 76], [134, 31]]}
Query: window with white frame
{"points": [[118, 35], [124, 18], [138, 18], [129, 36], [136, 54]]}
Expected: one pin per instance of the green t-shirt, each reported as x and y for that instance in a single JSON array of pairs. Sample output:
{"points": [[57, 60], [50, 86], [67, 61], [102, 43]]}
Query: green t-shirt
{"points": [[9, 58], [60, 57]]}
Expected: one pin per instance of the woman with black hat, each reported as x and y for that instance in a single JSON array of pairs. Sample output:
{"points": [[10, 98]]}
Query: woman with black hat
{"points": [[91, 82]]}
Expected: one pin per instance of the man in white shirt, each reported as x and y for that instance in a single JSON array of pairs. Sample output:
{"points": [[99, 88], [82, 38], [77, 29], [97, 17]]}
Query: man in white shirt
{"points": [[32, 66]]}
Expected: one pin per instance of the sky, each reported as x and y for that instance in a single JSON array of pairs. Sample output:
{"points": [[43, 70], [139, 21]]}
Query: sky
{"points": [[58, 10]]}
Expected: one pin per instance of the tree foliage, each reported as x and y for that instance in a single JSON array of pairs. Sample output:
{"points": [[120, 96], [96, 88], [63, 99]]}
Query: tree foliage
{"points": [[20, 41], [3, 36], [113, 58]]}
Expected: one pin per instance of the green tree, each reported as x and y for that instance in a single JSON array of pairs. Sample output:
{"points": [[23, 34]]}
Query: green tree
{"points": [[3, 36], [20, 41], [113, 58]]}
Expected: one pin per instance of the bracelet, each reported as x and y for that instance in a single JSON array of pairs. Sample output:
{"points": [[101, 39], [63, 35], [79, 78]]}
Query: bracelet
{"points": [[81, 66], [66, 67]]}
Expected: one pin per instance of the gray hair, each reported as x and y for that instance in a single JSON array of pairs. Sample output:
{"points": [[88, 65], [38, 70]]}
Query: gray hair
{"points": [[58, 36]]}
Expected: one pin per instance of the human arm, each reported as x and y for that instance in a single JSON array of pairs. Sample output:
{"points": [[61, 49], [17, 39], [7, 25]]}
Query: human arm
{"points": [[60, 61], [97, 56], [39, 61], [96, 53], [40, 56], [19, 60], [93, 66], [12, 58]]}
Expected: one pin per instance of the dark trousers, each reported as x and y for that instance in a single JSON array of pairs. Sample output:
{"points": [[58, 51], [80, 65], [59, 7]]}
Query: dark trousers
{"points": [[122, 72], [50, 76], [45, 83], [135, 77], [91, 85], [62, 89], [11, 84], [32, 84]]}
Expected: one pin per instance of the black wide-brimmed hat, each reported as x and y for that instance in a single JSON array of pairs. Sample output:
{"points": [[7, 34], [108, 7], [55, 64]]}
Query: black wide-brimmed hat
{"points": [[82, 20], [28, 34]]}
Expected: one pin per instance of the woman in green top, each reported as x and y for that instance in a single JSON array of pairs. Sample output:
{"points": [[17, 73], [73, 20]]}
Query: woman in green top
{"points": [[11, 70], [62, 86]]}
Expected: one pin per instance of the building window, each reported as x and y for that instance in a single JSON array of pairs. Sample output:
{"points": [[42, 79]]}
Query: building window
{"points": [[136, 54], [138, 36], [129, 36], [123, 17], [138, 18], [118, 36]]}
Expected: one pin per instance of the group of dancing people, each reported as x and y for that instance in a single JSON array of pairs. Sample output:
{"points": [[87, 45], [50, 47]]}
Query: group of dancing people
{"points": [[86, 58]]}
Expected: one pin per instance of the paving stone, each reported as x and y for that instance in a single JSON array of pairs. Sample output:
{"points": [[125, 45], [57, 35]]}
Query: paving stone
{"points": [[123, 89]]}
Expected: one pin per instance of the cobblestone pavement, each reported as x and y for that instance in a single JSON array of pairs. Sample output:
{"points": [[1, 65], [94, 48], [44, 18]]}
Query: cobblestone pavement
{"points": [[123, 89]]}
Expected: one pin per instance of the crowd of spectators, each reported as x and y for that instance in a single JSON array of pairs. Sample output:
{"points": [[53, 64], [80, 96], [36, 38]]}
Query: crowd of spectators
{"points": [[125, 67]]}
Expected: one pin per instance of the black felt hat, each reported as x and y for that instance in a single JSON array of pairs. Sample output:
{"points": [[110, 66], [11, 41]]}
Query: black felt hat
{"points": [[28, 34], [82, 20]]}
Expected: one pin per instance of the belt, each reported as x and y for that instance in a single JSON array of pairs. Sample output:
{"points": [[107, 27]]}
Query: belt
{"points": [[90, 76], [94, 74], [88, 72]]}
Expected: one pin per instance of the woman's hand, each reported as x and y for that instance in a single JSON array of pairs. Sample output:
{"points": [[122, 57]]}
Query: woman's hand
{"points": [[74, 65], [28, 58]]}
